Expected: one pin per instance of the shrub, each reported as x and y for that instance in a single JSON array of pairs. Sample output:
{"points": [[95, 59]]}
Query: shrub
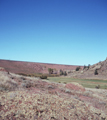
{"points": [[13, 83], [61, 72], [28, 85], [7, 83], [69, 72], [65, 73], [52, 75], [96, 72], [43, 77], [22, 74], [65, 83], [4, 87], [88, 66], [50, 70], [98, 86], [84, 67], [23, 78], [77, 68]]}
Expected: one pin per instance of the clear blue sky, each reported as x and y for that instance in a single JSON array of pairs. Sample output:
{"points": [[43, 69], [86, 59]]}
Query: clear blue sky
{"points": [[72, 32]]}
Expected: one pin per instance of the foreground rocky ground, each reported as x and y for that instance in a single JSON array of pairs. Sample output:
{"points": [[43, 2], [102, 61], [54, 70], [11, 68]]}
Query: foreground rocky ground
{"points": [[25, 98]]}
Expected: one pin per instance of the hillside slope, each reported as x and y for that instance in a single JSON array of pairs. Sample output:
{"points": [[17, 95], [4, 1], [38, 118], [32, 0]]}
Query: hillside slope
{"points": [[28, 98], [32, 67], [86, 73]]}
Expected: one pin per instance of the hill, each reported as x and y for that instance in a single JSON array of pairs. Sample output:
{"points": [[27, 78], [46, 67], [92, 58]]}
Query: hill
{"points": [[96, 71], [33, 67], [32, 98]]}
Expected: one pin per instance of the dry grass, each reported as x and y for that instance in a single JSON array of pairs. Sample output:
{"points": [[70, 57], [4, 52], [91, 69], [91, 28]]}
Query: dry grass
{"points": [[46, 106], [7, 83], [34, 99]]}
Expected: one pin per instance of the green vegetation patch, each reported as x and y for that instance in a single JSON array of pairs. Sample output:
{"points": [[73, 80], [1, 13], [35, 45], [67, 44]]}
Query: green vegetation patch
{"points": [[88, 83]]}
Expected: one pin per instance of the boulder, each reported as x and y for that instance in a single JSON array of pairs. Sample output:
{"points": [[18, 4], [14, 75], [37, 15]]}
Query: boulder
{"points": [[75, 86]]}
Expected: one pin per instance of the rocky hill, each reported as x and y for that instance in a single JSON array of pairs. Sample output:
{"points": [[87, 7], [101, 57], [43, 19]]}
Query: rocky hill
{"points": [[96, 71], [32, 67]]}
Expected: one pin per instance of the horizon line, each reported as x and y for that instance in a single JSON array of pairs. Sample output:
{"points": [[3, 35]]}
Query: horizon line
{"points": [[39, 62]]}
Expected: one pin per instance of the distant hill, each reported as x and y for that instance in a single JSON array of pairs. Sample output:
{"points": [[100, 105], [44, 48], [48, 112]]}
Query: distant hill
{"points": [[33, 67]]}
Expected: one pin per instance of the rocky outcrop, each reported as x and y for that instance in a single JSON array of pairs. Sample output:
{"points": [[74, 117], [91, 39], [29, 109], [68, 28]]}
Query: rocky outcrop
{"points": [[2, 69], [89, 72], [95, 67]]}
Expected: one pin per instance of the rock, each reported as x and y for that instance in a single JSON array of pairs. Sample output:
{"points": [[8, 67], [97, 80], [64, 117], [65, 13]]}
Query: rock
{"points": [[75, 86], [51, 87], [67, 91], [81, 72], [2, 69], [97, 67]]}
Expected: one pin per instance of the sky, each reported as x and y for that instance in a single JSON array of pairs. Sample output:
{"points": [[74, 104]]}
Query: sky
{"points": [[71, 32]]}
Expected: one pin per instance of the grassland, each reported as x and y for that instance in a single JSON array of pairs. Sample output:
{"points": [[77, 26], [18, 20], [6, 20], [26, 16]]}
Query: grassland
{"points": [[88, 83]]}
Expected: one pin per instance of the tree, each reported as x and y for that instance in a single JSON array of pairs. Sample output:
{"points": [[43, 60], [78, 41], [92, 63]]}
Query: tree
{"points": [[65, 73], [96, 72], [50, 70], [61, 72], [84, 67], [88, 66], [77, 68]]}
